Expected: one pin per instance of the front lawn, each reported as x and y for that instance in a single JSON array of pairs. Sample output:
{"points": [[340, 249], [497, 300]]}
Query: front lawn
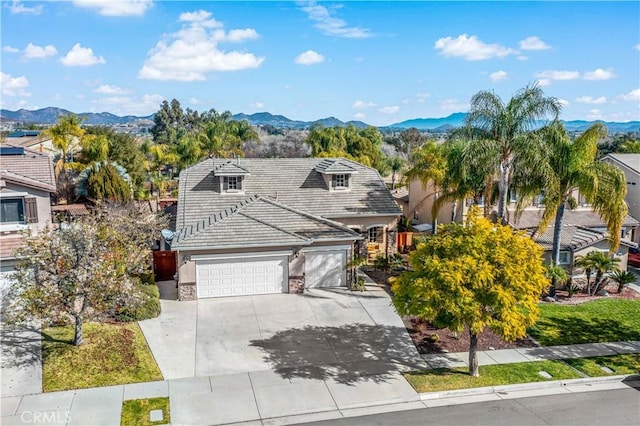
{"points": [[618, 364], [608, 320], [443, 379], [112, 354]]}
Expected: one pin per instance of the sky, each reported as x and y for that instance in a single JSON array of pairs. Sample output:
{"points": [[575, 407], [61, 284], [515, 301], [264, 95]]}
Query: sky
{"points": [[378, 62]]}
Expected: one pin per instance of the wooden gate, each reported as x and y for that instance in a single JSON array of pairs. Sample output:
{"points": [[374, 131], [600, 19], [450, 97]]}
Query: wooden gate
{"points": [[164, 264]]}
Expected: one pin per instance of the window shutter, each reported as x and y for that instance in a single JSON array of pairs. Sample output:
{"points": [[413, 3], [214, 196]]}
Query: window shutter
{"points": [[333, 181], [225, 183], [31, 210], [346, 180]]}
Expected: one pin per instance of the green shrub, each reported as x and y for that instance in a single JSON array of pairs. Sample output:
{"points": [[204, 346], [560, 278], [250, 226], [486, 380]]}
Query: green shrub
{"points": [[149, 308], [147, 278], [433, 337], [381, 262]]}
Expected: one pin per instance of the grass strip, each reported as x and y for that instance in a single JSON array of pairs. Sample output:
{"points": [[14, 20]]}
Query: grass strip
{"points": [[443, 379], [112, 354], [136, 412], [618, 364]]}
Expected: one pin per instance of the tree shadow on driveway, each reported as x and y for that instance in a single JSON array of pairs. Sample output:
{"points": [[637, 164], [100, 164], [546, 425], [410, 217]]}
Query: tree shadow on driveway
{"points": [[21, 345], [347, 354]]}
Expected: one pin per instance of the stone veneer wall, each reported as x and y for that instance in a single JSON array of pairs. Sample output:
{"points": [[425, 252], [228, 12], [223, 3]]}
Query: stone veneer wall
{"points": [[296, 284], [187, 291]]}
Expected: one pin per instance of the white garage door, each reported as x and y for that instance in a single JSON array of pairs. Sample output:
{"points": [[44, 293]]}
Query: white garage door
{"points": [[237, 277], [325, 268]]}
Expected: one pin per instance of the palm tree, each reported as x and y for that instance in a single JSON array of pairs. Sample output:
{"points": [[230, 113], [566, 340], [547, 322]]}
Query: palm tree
{"points": [[501, 132], [601, 264], [65, 137], [623, 278], [574, 165], [396, 165]]}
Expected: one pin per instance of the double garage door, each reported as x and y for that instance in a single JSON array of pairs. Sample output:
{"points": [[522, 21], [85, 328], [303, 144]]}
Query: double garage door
{"points": [[265, 275]]}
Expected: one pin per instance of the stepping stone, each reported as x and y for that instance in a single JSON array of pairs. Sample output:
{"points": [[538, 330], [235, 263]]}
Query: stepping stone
{"points": [[156, 415], [606, 369], [545, 374]]}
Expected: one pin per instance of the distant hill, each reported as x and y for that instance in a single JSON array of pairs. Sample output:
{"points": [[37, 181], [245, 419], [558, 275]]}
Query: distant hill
{"points": [[457, 120], [50, 116]]}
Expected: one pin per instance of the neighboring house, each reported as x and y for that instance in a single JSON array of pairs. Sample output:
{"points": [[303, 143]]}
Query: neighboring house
{"points": [[26, 184], [630, 166], [578, 241], [31, 139], [254, 226]]}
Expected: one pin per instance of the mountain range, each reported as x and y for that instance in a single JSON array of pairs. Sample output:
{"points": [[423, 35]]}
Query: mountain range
{"points": [[50, 115]]}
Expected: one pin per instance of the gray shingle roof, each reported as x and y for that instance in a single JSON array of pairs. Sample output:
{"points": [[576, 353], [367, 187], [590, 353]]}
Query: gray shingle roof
{"points": [[332, 166], [632, 161], [31, 168], [571, 238], [230, 169], [293, 181], [587, 218], [259, 222]]}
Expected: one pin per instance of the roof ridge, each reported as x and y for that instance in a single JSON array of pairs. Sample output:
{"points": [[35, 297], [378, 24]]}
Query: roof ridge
{"points": [[309, 215]]}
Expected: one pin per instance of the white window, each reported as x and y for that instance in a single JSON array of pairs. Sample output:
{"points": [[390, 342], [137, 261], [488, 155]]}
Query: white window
{"points": [[231, 183], [341, 181], [375, 234]]}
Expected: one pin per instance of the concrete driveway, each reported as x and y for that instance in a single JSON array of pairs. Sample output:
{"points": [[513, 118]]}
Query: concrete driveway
{"points": [[322, 334]]}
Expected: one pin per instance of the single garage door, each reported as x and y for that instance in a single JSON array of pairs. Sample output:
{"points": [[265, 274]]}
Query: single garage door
{"points": [[325, 268], [238, 277]]}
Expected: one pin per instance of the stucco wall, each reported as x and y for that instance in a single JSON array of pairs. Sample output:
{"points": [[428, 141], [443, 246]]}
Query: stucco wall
{"points": [[421, 199]]}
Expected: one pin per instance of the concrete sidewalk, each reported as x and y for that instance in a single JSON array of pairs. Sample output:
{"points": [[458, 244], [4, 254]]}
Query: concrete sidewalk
{"points": [[510, 356]]}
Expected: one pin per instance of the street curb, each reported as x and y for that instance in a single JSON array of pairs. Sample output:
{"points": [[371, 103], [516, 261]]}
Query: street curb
{"points": [[430, 396]]}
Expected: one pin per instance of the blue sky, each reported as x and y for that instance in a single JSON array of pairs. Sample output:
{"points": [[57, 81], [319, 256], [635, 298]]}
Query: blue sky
{"points": [[379, 62]]}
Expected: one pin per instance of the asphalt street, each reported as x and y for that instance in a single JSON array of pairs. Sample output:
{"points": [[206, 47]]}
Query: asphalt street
{"points": [[614, 407]]}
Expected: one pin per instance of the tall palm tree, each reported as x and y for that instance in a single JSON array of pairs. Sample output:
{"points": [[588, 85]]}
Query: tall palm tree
{"points": [[396, 164], [501, 131], [574, 165], [65, 137]]}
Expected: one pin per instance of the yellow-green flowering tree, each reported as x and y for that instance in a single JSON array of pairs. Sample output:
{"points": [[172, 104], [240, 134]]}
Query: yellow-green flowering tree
{"points": [[475, 275]]}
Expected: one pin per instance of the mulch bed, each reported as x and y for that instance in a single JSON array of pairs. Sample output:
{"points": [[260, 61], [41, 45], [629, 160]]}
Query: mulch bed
{"points": [[421, 332]]}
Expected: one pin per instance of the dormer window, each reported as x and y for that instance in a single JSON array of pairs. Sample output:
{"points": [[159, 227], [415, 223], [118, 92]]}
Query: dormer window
{"points": [[231, 183], [341, 181]]}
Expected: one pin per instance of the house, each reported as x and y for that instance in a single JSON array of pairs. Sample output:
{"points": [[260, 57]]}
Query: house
{"points": [[33, 140], [577, 241], [630, 166], [27, 182], [254, 226]]}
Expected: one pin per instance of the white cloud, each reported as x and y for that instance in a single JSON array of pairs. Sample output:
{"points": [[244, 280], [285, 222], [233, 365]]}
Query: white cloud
{"points": [[599, 74], [309, 57], [14, 86], [558, 75], [10, 49], [591, 100], [498, 75], [195, 101], [362, 105], [453, 105], [633, 95], [33, 51], [17, 7], [389, 109], [109, 89], [533, 43], [637, 46], [256, 105], [116, 7], [563, 102], [543, 82], [522, 58], [471, 48], [359, 116], [594, 114], [80, 56], [423, 95], [192, 52], [330, 25], [124, 105]]}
